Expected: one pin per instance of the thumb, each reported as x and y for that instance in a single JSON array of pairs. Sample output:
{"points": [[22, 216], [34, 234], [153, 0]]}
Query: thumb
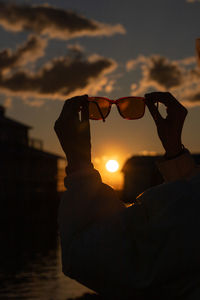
{"points": [[154, 111], [85, 124]]}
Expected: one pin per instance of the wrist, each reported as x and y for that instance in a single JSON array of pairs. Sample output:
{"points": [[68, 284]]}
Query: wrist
{"points": [[172, 154], [77, 166], [177, 168]]}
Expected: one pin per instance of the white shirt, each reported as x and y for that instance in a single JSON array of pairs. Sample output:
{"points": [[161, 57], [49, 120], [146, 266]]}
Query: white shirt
{"points": [[150, 248]]}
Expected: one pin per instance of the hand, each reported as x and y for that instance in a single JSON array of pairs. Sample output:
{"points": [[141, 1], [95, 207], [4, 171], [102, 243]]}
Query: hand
{"points": [[170, 128], [74, 134]]}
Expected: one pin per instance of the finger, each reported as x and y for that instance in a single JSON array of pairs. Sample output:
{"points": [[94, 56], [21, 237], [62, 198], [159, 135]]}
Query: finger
{"points": [[70, 108], [69, 117], [174, 107], [154, 112], [85, 125], [85, 109], [70, 113], [163, 97]]}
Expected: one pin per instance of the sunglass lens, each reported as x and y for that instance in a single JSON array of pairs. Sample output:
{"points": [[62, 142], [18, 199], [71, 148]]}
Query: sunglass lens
{"points": [[98, 108], [131, 107]]}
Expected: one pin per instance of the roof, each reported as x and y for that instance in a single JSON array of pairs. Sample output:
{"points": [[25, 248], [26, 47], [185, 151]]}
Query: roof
{"points": [[8, 121], [11, 122], [22, 150], [139, 160], [142, 160], [46, 154]]}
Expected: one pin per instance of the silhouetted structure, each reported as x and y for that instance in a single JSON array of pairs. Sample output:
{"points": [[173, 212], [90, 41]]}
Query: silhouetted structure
{"points": [[28, 175], [141, 173]]}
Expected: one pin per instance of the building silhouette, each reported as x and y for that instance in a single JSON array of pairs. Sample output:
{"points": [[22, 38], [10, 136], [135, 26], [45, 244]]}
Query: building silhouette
{"points": [[141, 173], [28, 175]]}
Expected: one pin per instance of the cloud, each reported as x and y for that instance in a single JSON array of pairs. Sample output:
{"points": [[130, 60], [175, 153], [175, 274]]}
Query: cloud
{"points": [[133, 63], [147, 153], [167, 74], [198, 50], [192, 1], [181, 77], [28, 52], [36, 102], [8, 103], [53, 22], [76, 47], [60, 78]]}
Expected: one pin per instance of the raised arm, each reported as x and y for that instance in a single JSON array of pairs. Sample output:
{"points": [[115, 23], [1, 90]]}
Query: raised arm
{"points": [[87, 200], [177, 162]]}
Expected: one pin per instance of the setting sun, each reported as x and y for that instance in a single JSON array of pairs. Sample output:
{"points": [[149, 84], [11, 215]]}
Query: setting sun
{"points": [[112, 166]]}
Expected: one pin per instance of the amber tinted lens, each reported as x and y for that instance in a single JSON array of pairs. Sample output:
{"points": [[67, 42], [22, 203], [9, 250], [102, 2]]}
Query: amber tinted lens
{"points": [[131, 108], [98, 108]]}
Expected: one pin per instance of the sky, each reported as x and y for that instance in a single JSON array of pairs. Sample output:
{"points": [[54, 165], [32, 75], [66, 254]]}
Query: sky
{"points": [[53, 50]]}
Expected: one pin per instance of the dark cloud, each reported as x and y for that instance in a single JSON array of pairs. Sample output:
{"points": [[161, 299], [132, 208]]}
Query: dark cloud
{"points": [[30, 51], [164, 72], [59, 78], [53, 22], [158, 70], [181, 77]]}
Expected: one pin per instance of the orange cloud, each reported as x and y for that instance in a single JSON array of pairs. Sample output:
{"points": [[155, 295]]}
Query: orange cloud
{"points": [[30, 51], [181, 77]]}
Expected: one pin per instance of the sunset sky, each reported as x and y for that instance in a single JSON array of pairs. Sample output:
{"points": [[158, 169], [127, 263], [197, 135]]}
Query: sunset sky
{"points": [[53, 50]]}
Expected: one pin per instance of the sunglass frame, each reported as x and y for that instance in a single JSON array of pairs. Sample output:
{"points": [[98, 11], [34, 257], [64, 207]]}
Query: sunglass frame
{"points": [[111, 102]]}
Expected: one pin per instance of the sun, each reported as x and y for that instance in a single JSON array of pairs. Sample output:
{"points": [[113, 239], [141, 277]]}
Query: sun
{"points": [[112, 165]]}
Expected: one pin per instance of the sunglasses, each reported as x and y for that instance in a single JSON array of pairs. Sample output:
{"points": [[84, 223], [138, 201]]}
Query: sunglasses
{"points": [[130, 108]]}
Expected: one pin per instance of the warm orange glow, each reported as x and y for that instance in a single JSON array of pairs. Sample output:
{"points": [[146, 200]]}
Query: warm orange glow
{"points": [[112, 165], [114, 179]]}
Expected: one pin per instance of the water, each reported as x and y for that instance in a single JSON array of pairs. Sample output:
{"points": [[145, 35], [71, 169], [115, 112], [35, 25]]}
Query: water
{"points": [[30, 264]]}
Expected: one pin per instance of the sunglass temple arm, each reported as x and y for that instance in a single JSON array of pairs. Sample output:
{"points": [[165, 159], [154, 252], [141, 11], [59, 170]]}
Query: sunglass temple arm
{"points": [[99, 110]]}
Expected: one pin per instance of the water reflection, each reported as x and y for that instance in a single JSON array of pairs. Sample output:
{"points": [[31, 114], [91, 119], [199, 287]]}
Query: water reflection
{"points": [[30, 265]]}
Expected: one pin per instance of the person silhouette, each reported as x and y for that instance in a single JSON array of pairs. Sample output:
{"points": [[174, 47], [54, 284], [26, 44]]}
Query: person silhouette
{"points": [[150, 249]]}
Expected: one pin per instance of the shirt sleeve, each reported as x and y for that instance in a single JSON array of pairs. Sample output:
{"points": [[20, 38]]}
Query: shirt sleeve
{"points": [[110, 248], [86, 202], [104, 257]]}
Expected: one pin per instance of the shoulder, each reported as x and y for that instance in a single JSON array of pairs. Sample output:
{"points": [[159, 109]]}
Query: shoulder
{"points": [[163, 198]]}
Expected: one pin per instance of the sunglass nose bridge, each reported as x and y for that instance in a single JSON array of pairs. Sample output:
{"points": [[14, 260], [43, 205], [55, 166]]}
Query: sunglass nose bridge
{"points": [[113, 101]]}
